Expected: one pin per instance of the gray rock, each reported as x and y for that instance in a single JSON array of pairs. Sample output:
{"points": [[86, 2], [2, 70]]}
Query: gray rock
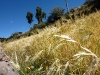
{"points": [[6, 67]]}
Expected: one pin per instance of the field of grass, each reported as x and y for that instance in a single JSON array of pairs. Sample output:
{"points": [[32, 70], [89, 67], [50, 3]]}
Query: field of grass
{"points": [[70, 49]]}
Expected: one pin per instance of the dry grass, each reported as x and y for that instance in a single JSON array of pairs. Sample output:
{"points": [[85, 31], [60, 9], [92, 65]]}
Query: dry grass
{"points": [[54, 52]]}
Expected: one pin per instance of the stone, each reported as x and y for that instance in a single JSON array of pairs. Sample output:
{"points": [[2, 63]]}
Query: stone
{"points": [[6, 67]]}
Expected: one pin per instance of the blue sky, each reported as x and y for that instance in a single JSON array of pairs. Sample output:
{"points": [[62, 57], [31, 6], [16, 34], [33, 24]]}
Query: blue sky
{"points": [[13, 13]]}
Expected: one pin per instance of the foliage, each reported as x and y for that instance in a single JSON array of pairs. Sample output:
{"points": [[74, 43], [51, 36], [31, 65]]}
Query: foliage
{"points": [[50, 19], [67, 16], [15, 35], [3, 39], [40, 25], [43, 15], [55, 14], [94, 2], [87, 8], [97, 4], [89, 0], [29, 17], [40, 14]]}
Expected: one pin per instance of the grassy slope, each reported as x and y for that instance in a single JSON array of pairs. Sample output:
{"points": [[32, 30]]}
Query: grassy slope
{"points": [[46, 54]]}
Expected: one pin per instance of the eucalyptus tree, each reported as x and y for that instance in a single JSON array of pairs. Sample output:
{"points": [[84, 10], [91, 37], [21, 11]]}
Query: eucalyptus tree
{"points": [[40, 14], [29, 17]]}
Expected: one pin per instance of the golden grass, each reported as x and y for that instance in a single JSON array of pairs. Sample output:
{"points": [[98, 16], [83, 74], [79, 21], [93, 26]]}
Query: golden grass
{"points": [[54, 52]]}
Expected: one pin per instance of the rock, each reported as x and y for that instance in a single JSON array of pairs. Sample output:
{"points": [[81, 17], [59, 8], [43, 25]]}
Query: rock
{"points": [[6, 67]]}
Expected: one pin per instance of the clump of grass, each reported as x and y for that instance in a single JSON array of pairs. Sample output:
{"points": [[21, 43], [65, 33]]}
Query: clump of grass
{"points": [[95, 60]]}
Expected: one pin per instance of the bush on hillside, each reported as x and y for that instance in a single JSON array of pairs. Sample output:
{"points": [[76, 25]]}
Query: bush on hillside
{"points": [[40, 25], [50, 19], [3, 39], [79, 11], [55, 14], [15, 35], [26, 34], [87, 8]]}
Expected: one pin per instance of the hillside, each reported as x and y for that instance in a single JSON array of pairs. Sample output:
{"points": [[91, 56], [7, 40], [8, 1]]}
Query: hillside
{"points": [[70, 49]]}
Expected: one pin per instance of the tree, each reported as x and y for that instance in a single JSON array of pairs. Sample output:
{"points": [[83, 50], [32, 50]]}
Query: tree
{"points": [[88, 0], [97, 3], [29, 17], [56, 14], [50, 19], [43, 15], [94, 3], [40, 15]]}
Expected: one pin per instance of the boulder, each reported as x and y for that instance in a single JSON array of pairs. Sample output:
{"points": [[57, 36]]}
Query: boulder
{"points": [[6, 67]]}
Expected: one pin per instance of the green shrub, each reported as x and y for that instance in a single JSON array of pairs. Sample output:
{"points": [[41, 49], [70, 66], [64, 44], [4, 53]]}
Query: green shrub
{"points": [[3, 39], [40, 25], [15, 35]]}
